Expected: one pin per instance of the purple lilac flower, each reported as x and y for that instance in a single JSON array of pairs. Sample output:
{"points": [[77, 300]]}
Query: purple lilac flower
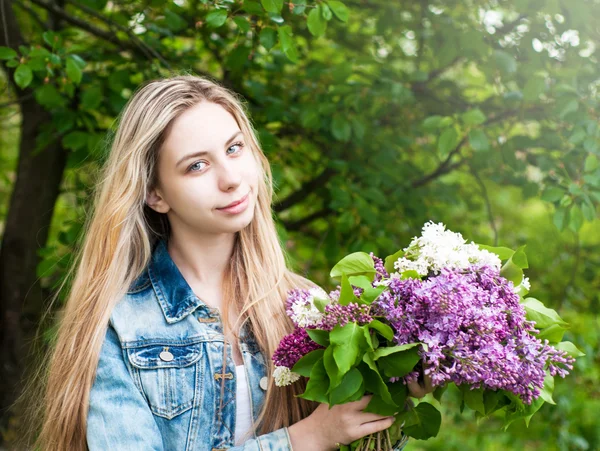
{"points": [[475, 330], [380, 271], [293, 347], [336, 314]]}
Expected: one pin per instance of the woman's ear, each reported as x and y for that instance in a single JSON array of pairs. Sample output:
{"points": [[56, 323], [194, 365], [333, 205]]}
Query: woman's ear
{"points": [[155, 201]]}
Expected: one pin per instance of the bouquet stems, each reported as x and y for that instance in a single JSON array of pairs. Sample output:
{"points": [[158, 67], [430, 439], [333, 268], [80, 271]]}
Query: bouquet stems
{"points": [[379, 441]]}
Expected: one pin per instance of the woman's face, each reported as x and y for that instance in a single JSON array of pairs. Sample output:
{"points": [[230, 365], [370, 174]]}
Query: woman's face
{"points": [[206, 164]]}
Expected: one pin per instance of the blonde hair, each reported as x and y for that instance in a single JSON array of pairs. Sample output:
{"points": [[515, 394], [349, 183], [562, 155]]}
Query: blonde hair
{"points": [[117, 245]]}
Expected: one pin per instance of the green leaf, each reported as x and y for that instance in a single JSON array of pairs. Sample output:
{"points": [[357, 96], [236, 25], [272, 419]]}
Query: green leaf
{"points": [[268, 37], [591, 163], [339, 9], [588, 210], [216, 18], [576, 218], [385, 330], [174, 21], [361, 281], [357, 263], [73, 70], [553, 194], [439, 391], [491, 400], [334, 373], [478, 140], [319, 336], [298, 9], [447, 142], [513, 268], [244, 27], [473, 398], [542, 315], [75, 140], [398, 364], [320, 304], [305, 364], [341, 128], [379, 406], [325, 11], [569, 348], [388, 350], [48, 96], [391, 259], [422, 422], [316, 23], [505, 61], [7, 53], [317, 385], [91, 97], [23, 76], [288, 44], [547, 389], [374, 383], [350, 384], [347, 295], [252, 7], [473, 117], [561, 218], [272, 6], [503, 253], [553, 334], [535, 86], [349, 341], [237, 58]]}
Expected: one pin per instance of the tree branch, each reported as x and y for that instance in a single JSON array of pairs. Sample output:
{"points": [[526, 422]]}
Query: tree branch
{"points": [[144, 48], [132, 45], [488, 204], [299, 223], [307, 188]]}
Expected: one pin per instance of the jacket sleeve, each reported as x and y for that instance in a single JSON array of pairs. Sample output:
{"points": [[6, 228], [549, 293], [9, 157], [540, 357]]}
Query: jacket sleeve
{"points": [[118, 417], [278, 440]]}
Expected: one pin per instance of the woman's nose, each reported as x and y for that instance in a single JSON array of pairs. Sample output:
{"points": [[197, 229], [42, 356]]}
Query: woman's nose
{"points": [[229, 177]]}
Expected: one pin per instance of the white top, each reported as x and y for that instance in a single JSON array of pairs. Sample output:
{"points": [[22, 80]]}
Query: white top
{"points": [[243, 414]]}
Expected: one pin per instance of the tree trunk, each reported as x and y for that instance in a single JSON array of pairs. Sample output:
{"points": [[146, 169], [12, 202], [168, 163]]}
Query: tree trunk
{"points": [[36, 188]]}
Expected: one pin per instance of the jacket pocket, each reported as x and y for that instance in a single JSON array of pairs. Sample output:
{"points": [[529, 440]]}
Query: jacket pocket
{"points": [[167, 375]]}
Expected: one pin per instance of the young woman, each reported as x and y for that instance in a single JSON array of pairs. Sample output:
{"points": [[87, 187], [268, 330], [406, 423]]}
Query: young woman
{"points": [[177, 302]]}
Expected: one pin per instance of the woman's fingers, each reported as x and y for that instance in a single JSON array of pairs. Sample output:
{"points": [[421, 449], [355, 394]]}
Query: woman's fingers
{"points": [[374, 426], [415, 389], [367, 417], [361, 403]]}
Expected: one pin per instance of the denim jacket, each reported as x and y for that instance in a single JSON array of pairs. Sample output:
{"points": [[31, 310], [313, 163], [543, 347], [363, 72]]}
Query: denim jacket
{"points": [[158, 380]]}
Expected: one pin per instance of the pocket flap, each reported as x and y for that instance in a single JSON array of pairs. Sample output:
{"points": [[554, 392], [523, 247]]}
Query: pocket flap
{"points": [[164, 356]]}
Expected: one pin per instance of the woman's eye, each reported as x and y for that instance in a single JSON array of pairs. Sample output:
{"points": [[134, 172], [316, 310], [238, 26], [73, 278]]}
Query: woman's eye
{"points": [[191, 168], [238, 144], [195, 168]]}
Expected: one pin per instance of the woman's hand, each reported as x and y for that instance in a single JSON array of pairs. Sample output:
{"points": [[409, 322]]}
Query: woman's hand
{"points": [[420, 387], [325, 429]]}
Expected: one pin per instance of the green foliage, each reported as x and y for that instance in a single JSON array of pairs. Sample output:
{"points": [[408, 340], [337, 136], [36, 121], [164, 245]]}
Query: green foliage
{"points": [[359, 110]]}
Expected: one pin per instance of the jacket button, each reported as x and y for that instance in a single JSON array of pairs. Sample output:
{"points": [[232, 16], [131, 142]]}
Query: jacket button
{"points": [[166, 356], [263, 382]]}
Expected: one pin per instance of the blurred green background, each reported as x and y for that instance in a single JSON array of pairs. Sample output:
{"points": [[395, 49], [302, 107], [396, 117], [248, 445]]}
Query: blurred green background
{"points": [[376, 115]]}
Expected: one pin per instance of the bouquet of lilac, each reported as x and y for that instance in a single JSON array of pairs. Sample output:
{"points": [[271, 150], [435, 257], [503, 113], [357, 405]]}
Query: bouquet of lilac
{"points": [[441, 307]]}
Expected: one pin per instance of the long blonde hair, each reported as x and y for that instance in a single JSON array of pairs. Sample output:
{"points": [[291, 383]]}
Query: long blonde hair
{"points": [[118, 242]]}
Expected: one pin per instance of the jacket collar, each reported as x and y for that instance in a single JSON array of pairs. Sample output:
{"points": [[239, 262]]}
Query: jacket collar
{"points": [[175, 296]]}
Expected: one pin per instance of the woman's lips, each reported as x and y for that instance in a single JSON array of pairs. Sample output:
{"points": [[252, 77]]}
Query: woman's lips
{"points": [[236, 208]]}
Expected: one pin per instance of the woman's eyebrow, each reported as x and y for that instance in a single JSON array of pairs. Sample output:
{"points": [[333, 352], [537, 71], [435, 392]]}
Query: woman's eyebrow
{"points": [[204, 152]]}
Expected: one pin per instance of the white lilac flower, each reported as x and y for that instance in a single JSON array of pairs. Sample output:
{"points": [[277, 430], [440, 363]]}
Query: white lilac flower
{"points": [[301, 307], [284, 376], [525, 283], [438, 248]]}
